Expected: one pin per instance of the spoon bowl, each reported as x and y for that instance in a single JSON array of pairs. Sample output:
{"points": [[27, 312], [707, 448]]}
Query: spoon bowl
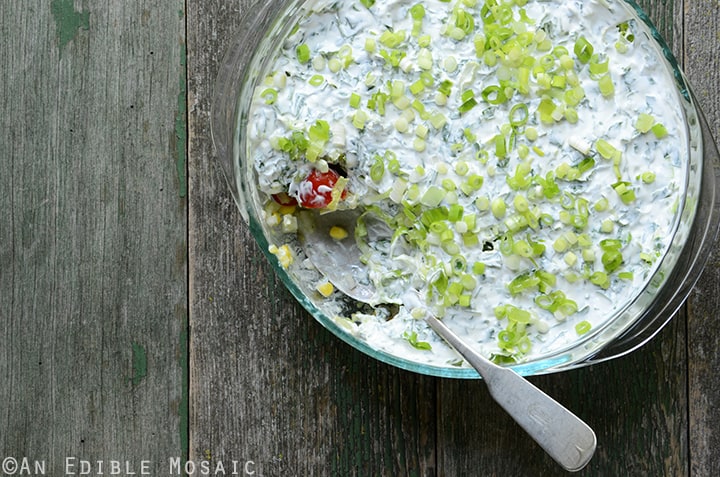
{"points": [[328, 240]]}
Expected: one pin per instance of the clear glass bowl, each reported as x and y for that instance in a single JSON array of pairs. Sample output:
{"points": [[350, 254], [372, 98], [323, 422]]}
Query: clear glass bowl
{"points": [[245, 63]]}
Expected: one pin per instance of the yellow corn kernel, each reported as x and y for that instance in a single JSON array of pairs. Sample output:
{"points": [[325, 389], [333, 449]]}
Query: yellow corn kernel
{"points": [[338, 233], [287, 209], [273, 219], [325, 289], [283, 254]]}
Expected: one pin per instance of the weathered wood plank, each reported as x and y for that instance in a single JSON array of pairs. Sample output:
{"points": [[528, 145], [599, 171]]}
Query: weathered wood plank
{"points": [[636, 404], [269, 384], [92, 231], [702, 65]]}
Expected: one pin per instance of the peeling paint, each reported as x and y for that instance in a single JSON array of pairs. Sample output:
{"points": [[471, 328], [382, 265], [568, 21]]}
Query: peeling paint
{"points": [[68, 21], [139, 362]]}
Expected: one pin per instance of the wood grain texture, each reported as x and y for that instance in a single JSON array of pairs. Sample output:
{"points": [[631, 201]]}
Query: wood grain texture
{"points": [[303, 403], [636, 406], [702, 66], [109, 247], [268, 383], [92, 230]]}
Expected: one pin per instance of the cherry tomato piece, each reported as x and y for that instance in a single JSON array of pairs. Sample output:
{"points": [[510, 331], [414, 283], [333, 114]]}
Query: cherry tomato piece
{"points": [[315, 191]]}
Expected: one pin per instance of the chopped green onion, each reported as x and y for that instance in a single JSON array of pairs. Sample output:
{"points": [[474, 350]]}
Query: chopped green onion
{"points": [[500, 146], [583, 50], [498, 207], [467, 105], [392, 39], [319, 63], [519, 115], [425, 60], [607, 226], [433, 196], [606, 150], [494, 95], [522, 283], [602, 204], [626, 193], [270, 95], [598, 65], [421, 131], [450, 64], [546, 108], [586, 164], [438, 120], [531, 134], [600, 279], [354, 100], [445, 87], [479, 42], [644, 122], [582, 327], [359, 119], [303, 53], [478, 268], [417, 87], [573, 96], [417, 12], [611, 260], [607, 88], [334, 65], [648, 177], [377, 170], [412, 337], [393, 57], [464, 21], [316, 80], [659, 131], [401, 124]]}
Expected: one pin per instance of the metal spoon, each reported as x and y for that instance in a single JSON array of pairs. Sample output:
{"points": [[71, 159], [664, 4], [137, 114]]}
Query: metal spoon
{"points": [[564, 436]]}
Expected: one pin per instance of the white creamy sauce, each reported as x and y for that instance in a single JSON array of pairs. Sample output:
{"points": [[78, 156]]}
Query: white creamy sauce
{"points": [[426, 140]]}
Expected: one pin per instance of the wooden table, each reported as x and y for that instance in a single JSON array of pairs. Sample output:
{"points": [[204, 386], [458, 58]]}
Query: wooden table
{"points": [[140, 327]]}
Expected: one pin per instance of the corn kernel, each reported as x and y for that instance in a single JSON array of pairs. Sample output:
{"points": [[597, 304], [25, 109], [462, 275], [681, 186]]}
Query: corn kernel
{"points": [[283, 254], [338, 233], [273, 220], [325, 289], [287, 209]]}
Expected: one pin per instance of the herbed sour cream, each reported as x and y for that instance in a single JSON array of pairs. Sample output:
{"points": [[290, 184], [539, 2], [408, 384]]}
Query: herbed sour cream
{"points": [[527, 158]]}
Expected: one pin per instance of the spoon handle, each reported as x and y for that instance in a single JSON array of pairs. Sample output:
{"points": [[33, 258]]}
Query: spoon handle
{"points": [[564, 436]]}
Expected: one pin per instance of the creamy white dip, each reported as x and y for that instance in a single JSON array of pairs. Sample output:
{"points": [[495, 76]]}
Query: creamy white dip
{"points": [[530, 157]]}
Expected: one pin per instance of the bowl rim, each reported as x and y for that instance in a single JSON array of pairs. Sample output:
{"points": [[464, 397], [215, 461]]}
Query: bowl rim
{"points": [[228, 138]]}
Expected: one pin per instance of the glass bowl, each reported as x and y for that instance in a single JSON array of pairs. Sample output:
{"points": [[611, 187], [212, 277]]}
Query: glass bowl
{"points": [[249, 56]]}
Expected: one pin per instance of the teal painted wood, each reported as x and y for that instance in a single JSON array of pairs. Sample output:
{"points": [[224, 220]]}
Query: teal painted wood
{"points": [[93, 270]]}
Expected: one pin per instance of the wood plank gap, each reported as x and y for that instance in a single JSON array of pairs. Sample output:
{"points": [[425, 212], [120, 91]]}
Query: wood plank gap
{"points": [[185, 336]]}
